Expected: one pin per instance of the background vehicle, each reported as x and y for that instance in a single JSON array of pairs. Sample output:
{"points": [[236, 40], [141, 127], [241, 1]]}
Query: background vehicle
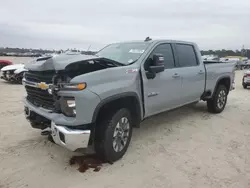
{"points": [[246, 79], [97, 100], [4, 63], [13, 73]]}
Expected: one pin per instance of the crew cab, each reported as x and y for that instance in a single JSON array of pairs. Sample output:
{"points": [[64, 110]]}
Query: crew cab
{"points": [[94, 101]]}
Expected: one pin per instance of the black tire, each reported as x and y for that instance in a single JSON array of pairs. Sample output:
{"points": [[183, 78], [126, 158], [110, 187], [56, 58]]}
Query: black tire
{"points": [[216, 104], [104, 136], [243, 84]]}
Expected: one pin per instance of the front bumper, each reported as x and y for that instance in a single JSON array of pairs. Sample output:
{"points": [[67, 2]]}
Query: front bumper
{"points": [[70, 138]]}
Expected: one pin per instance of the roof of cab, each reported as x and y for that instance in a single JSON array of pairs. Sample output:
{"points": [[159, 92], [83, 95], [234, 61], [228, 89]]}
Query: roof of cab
{"points": [[157, 41]]}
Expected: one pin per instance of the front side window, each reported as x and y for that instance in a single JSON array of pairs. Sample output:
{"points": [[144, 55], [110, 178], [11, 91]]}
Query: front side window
{"points": [[166, 51]]}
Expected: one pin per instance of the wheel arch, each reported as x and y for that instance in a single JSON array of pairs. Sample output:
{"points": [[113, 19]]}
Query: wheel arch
{"points": [[127, 99], [225, 80]]}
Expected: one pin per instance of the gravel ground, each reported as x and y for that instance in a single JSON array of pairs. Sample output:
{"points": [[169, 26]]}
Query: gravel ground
{"points": [[184, 148]]}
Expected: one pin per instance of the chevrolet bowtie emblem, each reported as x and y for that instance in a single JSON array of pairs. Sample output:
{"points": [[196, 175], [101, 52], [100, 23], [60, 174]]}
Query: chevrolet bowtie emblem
{"points": [[43, 85]]}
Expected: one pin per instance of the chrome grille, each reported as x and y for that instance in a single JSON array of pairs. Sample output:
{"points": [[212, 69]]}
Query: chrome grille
{"points": [[37, 96]]}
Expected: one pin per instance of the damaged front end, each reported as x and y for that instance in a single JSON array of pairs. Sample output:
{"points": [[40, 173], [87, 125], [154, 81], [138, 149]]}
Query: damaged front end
{"points": [[13, 73], [56, 74], [52, 96]]}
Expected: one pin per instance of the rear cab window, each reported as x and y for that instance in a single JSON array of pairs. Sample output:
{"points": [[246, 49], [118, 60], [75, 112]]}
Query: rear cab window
{"points": [[186, 55]]}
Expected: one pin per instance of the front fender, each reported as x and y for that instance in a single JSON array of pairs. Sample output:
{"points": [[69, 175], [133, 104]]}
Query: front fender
{"points": [[113, 98]]}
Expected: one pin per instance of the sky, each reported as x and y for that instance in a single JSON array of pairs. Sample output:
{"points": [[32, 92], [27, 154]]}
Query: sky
{"points": [[61, 24]]}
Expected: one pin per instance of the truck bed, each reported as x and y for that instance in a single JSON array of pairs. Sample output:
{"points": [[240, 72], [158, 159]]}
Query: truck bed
{"points": [[216, 70]]}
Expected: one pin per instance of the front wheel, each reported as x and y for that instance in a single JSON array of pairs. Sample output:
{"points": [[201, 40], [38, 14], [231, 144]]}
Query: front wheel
{"points": [[113, 135], [218, 102]]}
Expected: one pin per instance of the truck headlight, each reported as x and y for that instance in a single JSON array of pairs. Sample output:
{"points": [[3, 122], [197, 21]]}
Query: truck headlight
{"points": [[68, 106], [74, 86]]}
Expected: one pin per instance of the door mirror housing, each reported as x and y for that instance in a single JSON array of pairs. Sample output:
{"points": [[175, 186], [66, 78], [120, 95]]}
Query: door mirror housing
{"points": [[157, 64]]}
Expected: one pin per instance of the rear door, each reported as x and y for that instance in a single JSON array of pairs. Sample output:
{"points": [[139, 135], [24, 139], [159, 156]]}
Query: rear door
{"points": [[162, 92], [192, 73]]}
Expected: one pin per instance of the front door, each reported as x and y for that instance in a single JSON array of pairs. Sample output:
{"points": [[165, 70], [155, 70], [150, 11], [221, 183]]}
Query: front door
{"points": [[164, 91]]}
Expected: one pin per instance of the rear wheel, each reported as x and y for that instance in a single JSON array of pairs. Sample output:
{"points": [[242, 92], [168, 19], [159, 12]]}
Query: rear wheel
{"points": [[243, 83], [219, 100], [113, 135]]}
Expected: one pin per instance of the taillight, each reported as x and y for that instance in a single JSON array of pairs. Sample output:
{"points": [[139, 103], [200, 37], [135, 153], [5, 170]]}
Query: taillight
{"points": [[248, 75]]}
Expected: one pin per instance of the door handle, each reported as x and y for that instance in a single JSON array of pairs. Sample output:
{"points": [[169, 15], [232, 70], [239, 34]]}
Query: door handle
{"points": [[176, 75], [201, 72]]}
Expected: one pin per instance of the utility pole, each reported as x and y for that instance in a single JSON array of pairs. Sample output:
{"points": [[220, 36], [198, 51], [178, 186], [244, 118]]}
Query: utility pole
{"points": [[243, 51], [89, 47]]}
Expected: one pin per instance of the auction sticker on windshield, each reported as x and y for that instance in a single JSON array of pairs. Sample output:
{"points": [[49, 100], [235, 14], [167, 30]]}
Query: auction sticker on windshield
{"points": [[136, 51]]}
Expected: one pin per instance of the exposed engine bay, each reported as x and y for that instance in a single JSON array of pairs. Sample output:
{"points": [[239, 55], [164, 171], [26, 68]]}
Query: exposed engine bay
{"points": [[80, 68]]}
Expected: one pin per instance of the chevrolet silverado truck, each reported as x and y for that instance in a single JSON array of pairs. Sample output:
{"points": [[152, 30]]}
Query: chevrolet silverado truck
{"points": [[94, 101]]}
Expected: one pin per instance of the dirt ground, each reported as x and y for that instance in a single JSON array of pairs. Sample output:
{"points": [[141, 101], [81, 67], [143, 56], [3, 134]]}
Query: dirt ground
{"points": [[185, 148]]}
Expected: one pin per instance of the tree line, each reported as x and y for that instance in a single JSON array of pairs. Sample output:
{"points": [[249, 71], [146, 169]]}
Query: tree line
{"points": [[39, 52], [223, 53]]}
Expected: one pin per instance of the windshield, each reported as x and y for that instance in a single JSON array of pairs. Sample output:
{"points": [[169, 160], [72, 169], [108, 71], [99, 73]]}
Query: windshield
{"points": [[124, 53]]}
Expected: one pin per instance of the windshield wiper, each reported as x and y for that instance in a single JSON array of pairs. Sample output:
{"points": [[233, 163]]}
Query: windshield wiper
{"points": [[118, 64], [115, 63]]}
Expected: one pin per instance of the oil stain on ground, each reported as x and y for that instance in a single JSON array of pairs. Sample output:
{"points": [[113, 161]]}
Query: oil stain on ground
{"points": [[86, 162]]}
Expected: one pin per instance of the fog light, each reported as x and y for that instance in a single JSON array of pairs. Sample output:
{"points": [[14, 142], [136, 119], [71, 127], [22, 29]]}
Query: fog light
{"points": [[71, 103], [68, 106]]}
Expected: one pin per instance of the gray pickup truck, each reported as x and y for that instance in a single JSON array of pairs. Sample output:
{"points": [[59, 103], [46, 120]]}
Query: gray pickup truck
{"points": [[95, 101]]}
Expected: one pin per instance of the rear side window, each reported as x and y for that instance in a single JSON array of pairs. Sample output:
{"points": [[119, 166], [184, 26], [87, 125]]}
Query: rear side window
{"points": [[166, 51], [186, 55]]}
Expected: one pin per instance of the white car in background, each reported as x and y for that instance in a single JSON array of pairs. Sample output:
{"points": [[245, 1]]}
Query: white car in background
{"points": [[13, 73]]}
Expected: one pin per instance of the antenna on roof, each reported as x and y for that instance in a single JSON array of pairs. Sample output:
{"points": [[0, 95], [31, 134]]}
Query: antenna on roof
{"points": [[147, 39]]}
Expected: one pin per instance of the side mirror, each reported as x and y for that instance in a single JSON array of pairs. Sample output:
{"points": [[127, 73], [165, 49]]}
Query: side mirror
{"points": [[157, 64]]}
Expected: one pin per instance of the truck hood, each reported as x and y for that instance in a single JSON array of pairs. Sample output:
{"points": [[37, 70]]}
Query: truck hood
{"points": [[104, 81], [12, 67], [59, 62]]}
